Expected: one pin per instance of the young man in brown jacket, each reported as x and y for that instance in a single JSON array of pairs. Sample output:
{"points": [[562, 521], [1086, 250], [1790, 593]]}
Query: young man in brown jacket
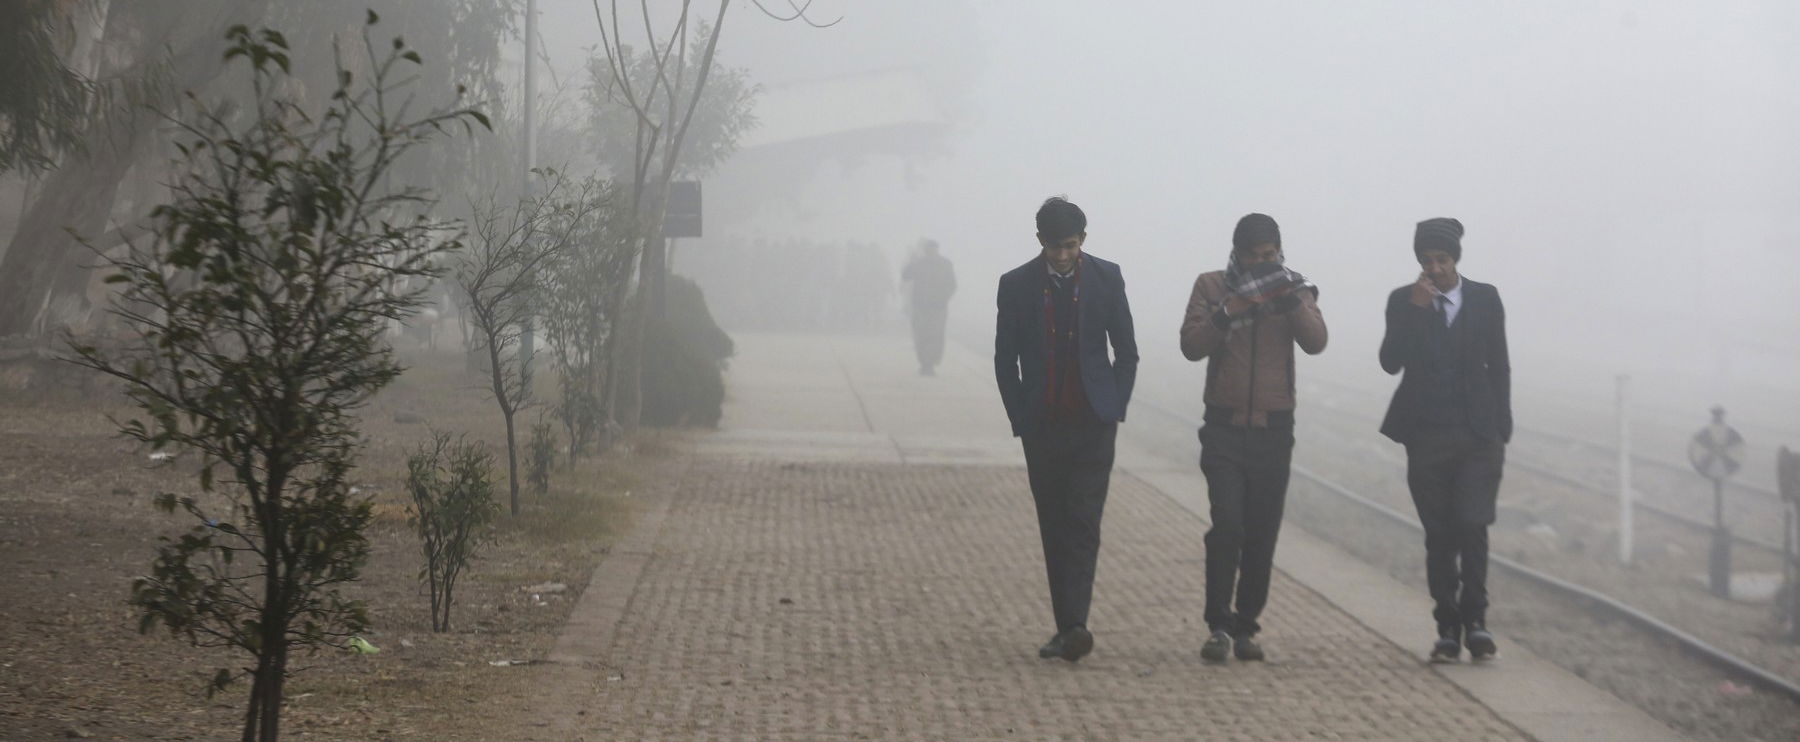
{"points": [[1246, 320]]}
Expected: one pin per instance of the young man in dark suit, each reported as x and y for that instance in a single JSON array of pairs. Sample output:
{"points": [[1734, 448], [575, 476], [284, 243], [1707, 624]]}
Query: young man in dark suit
{"points": [[1453, 412], [1057, 314]]}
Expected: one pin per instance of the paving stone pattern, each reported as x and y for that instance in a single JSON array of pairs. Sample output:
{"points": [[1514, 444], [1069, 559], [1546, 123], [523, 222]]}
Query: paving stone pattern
{"points": [[789, 600]]}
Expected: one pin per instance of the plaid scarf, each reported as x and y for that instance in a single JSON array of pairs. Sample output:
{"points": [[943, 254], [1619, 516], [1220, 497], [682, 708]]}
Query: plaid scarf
{"points": [[1252, 282]]}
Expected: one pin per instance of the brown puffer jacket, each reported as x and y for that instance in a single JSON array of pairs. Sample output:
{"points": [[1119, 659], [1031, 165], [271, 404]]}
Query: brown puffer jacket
{"points": [[1258, 357]]}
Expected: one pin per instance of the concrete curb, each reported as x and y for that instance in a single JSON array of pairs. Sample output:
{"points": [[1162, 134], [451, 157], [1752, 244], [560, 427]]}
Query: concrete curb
{"points": [[1527, 691]]}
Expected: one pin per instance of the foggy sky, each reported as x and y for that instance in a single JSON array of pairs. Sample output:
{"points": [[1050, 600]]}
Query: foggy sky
{"points": [[1626, 170]]}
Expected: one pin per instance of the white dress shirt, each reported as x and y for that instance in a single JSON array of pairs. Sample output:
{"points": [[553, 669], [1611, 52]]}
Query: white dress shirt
{"points": [[1450, 301]]}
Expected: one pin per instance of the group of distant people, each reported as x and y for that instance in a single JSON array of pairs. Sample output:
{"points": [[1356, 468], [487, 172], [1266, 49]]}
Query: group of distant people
{"points": [[798, 285], [1059, 312]]}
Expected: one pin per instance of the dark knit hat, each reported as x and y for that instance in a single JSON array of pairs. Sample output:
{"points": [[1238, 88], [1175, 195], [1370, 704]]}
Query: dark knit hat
{"points": [[1439, 233], [1255, 229]]}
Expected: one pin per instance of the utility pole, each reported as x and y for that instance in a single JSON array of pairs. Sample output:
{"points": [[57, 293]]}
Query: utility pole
{"points": [[1625, 494], [528, 187]]}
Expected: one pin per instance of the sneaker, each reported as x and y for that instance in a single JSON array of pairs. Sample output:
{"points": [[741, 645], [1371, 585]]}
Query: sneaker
{"points": [[1449, 645], [1217, 648], [1071, 645], [1480, 642], [1246, 649]]}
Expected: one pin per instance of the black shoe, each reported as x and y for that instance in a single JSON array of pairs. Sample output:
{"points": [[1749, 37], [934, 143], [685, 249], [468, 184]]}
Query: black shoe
{"points": [[1217, 648], [1448, 649], [1449, 645], [1480, 642], [1246, 649], [1072, 645]]}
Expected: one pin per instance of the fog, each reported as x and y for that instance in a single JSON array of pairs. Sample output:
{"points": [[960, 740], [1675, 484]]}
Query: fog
{"points": [[1626, 170]]}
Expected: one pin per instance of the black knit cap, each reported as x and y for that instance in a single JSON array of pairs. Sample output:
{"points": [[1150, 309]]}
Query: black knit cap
{"points": [[1255, 229], [1439, 233]]}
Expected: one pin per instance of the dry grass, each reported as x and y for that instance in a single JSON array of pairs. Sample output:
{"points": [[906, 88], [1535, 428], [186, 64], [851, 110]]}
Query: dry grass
{"points": [[76, 526]]}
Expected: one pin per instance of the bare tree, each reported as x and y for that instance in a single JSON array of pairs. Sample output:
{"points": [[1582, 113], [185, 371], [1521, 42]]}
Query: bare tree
{"points": [[583, 303], [664, 110], [501, 275]]}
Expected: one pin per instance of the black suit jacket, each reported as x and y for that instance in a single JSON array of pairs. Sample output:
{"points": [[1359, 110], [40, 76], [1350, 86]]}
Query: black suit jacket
{"points": [[1103, 315], [1486, 370]]}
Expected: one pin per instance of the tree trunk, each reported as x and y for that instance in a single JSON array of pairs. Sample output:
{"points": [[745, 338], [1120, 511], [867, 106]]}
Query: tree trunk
{"points": [[271, 714], [45, 262], [512, 461], [631, 356], [498, 374], [263, 720], [255, 707]]}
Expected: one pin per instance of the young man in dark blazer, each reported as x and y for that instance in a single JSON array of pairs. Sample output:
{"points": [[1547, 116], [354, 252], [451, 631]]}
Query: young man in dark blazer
{"points": [[1057, 314], [1453, 412]]}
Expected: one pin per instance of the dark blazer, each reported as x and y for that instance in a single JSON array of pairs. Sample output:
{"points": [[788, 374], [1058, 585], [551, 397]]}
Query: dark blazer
{"points": [[1487, 373], [1019, 360]]}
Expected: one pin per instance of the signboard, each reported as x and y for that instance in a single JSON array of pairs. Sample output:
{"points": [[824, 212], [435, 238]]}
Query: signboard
{"points": [[681, 218], [1717, 451]]}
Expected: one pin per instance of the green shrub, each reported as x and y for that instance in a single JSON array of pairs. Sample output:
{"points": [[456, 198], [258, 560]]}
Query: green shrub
{"points": [[451, 483]]}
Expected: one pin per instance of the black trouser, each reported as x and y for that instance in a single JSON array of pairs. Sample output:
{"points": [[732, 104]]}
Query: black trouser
{"points": [[1246, 480], [1069, 465], [1455, 478], [928, 332]]}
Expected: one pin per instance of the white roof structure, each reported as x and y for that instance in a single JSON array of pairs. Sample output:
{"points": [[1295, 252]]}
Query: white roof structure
{"points": [[866, 102]]}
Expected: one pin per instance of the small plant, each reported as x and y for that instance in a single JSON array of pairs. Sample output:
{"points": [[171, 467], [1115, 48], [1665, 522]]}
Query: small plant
{"points": [[542, 453], [451, 483]]}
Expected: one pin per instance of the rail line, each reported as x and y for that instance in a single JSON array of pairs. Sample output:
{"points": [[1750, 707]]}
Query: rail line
{"points": [[1593, 445], [1595, 600], [1513, 461]]}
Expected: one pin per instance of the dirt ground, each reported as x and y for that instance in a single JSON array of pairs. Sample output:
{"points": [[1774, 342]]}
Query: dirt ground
{"points": [[77, 524]]}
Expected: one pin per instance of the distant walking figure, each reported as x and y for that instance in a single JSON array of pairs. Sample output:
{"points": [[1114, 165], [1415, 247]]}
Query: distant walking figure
{"points": [[1245, 321], [931, 282], [1057, 313], [1453, 412]]}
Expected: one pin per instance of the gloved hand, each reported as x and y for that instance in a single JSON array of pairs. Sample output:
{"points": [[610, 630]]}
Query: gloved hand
{"points": [[1285, 304]]}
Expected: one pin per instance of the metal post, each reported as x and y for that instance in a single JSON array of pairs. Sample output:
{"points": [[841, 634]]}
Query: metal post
{"points": [[526, 343], [1625, 495], [531, 53], [660, 281], [1719, 571], [1787, 478], [1789, 578]]}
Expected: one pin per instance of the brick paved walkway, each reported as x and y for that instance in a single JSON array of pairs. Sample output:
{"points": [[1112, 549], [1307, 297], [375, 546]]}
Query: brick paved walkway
{"points": [[790, 600]]}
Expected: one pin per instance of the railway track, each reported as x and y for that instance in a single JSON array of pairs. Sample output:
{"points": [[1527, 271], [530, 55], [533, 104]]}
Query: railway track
{"points": [[1589, 599], [1661, 667], [1754, 517]]}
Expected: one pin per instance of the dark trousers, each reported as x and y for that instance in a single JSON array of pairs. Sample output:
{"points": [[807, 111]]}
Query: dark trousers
{"points": [[1454, 476], [1246, 481], [1069, 465], [928, 332]]}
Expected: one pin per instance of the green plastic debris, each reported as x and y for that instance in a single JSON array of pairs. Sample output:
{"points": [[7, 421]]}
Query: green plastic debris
{"points": [[360, 645]]}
